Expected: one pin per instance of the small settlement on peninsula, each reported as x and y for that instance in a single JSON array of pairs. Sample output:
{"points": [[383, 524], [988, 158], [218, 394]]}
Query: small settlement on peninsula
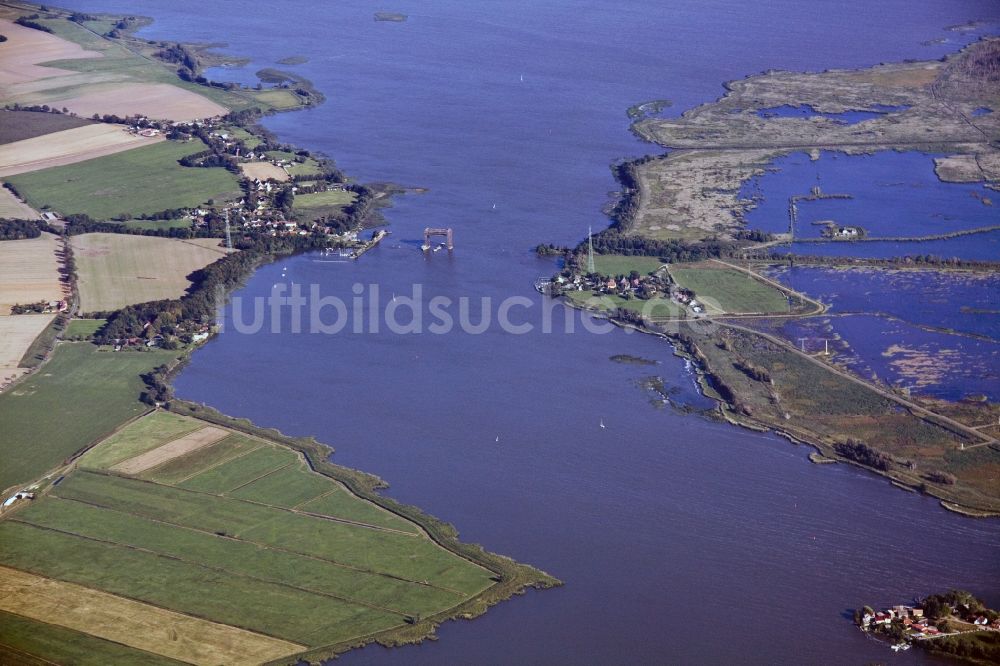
{"points": [[135, 193], [955, 624], [681, 260]]}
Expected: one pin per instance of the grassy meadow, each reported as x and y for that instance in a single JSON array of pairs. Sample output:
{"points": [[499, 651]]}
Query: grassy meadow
{"points": [[730, 290], [614, 265], [79, 396], [654, 307], [247, 519], [135, 182]]}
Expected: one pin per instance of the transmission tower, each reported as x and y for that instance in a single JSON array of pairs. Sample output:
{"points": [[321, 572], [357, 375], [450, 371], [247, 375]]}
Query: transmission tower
{"points": [[229, 235], [590, 251]]}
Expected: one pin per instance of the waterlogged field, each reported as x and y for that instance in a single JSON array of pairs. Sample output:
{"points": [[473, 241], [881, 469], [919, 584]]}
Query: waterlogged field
{"points": [[241, 516], [139, 181], [892, 195], [79, 396], [937, 364], [961, 301]]}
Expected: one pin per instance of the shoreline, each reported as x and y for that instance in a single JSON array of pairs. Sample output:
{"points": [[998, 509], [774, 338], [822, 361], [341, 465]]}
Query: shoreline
{"points": [[633, 200], [510, 577]]}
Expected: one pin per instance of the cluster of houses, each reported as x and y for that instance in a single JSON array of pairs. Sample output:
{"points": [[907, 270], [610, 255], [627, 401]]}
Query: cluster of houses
{"points": [[914, 622], [41, 307], [657, 284], [133, 343]]}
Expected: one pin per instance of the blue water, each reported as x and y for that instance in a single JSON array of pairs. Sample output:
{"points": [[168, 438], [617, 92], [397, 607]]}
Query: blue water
{"points": [[964, 302], [935, 364], [975, 247], [850, 117], [893, 195], [662, 525]]}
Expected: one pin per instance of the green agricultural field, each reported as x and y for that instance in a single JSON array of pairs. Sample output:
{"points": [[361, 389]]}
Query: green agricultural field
{"points": [[84, 328], [21, 635], [620, 264], [144, 435], [79, 396], [340, 503], [237, 132], [730, 290], [240, 471], [287, 486], [134, 182], [281, 155], [654, 307], [176, 471], [308, 168], [328, 199], [326, 581]]}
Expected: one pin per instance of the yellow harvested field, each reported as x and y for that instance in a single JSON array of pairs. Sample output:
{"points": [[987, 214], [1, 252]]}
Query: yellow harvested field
{"points": [[136, 624], [23, 79], [26, 47], [175, 449], [264, 171], [12, 208], [156, 100], [29, 271], [17, 332], [68, 146], [116, 270]]}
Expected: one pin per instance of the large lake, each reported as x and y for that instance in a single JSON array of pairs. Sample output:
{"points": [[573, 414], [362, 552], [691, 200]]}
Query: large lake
{"points": [[680, 540]]}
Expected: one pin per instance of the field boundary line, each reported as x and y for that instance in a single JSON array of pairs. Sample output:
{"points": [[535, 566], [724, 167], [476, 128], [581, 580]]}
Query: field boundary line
{"points": [[109, 640], [208, 567], [259, 544], [298, 506], [140, 601], [212, 466], [225, 493]]}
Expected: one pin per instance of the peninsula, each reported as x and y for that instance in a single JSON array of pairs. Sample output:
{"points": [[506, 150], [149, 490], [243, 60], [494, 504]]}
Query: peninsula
{"points": [[683, 260], [137, 527]]}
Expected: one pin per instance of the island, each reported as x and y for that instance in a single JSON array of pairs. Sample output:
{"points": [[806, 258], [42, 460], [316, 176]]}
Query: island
{"points": [[137, 527], [954, 624], [741, 281]]}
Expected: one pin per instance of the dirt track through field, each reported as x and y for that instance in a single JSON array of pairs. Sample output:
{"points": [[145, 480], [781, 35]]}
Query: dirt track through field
{"points": [[68, 147], [134, 623], [175, 449]]}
